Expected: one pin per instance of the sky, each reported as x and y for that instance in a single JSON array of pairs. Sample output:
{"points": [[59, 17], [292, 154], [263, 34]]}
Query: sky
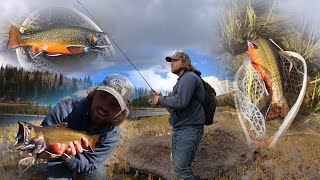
{"points": [[148, 31]]}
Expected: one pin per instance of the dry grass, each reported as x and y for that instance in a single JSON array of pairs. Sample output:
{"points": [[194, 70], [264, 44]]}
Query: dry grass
{"points": [[295, 157], [156, 126], [232, 25], [305, 40]]}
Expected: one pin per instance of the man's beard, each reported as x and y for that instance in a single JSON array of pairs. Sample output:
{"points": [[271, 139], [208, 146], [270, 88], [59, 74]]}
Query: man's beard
{"points": [[101, 122], [177, 71]]}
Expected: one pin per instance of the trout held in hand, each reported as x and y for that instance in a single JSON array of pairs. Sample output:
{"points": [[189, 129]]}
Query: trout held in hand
{"points": [[36, 139], [265, 61], [57, 41]]}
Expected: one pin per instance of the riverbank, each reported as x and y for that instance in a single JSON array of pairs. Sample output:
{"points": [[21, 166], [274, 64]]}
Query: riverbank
{"points": [[30, 115], [223, 152], [23, 108]]}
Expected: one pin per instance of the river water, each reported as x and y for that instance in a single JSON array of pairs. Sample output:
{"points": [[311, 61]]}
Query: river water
{"points": [[134, 114]]}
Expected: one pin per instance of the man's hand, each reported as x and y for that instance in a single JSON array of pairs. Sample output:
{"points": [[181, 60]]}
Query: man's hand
{"points": [[155, 98], [73, 148]]}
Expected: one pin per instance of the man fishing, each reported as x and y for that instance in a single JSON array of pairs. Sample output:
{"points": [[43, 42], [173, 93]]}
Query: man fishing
{"points": [[100, 112], [187, 116]]}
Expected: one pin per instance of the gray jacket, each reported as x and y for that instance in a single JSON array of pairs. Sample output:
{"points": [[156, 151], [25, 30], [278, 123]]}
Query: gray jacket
{"points": [[185, 101]]}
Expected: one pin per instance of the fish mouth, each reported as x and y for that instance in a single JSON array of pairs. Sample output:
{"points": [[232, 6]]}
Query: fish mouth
{"points": [[22, 136], [101, 43], [23, 139]]}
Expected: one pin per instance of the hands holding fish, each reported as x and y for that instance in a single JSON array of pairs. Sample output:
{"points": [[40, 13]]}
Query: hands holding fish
{"points": [[71, 149]]}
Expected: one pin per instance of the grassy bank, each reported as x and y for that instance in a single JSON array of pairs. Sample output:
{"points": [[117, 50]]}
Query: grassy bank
{"points": [[295, 157], [22, 108]]}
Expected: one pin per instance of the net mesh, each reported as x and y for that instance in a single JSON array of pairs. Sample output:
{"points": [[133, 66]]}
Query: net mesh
{"points": [[252, 99]]}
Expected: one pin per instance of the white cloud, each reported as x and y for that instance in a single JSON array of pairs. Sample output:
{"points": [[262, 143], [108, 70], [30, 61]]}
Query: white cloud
{"points": [[7, 59], [143, 29], [166, 83], [155, 80], [147, 31], [221, 87]]}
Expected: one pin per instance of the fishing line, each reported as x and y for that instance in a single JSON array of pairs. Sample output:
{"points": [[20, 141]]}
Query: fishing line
{"points": [[116, 45]]}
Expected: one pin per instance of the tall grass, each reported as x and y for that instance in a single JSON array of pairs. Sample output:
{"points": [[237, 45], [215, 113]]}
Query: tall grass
{"points": [[306, 39]]}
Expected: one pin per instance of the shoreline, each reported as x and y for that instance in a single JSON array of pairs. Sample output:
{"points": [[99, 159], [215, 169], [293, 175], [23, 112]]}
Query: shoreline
{"points": [[146, 108], [8, 114]]}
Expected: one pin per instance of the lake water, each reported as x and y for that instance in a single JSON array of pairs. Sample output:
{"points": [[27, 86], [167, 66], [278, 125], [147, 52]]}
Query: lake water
{"points": [[7, 119], [134, 114]]}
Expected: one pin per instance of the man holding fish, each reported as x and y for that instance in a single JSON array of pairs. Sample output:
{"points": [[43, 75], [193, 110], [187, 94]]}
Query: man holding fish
{"points": [[97, 116]]}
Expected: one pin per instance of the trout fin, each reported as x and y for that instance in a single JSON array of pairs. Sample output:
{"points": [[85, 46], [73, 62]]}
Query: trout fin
{"points": [[36, 50], [53, 55], [76, 49], [65, 155], [95, 139], [54, 149], [278, 110], [55, 154], [14, 38], [38, 54]]}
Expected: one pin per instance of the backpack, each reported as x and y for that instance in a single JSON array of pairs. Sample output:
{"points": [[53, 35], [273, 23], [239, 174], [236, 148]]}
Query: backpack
{"points": [[209, 103]]}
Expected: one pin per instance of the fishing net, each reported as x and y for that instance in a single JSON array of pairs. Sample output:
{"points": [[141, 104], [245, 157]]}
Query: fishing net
{"points": [[250, 95], [252, 99]]}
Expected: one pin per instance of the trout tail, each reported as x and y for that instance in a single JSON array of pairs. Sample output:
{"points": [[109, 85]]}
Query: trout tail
{"points": [[280, 109], [14, 38]]}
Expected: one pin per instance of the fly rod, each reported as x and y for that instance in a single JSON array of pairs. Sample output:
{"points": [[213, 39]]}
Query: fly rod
{"points": [[116, 46]]}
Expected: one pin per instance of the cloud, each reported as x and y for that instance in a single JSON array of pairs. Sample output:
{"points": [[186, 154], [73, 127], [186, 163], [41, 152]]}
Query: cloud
{"points": [[221, 87], [143, 29], [8, 59], [166, 83], [148, 30], [154, 78]]}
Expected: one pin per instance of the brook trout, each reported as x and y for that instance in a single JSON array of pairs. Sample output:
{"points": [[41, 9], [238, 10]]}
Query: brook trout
{"points": [[265, 61], [36, 139], [57, 41]]}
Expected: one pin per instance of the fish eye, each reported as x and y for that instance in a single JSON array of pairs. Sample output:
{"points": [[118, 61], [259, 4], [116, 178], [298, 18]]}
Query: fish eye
{"points": [[29, 127]]}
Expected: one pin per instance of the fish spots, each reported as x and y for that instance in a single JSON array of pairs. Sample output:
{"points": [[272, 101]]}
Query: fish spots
{"points": [[57, 40]]}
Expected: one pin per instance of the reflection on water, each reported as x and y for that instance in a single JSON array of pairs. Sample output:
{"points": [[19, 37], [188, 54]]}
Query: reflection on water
{"points": [[11, 119], [134, 114]]}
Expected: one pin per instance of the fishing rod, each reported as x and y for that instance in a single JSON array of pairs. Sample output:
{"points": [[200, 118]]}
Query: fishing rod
{"points": [[117, 46]]}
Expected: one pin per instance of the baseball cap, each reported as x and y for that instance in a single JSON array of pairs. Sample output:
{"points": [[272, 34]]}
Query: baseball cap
{"points": [[120, 87], [178, 55]]}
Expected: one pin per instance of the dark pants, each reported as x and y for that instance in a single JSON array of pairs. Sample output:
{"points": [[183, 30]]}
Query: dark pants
{"points": [[185, 141], [56, 170]]}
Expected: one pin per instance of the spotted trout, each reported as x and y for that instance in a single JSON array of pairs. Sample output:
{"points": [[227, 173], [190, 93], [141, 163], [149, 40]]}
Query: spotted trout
{"points": [[57, 41], [36, 139], [265, 61]]}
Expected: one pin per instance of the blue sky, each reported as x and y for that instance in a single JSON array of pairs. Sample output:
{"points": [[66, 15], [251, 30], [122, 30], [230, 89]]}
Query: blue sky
{"points": [[207, 65]]}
